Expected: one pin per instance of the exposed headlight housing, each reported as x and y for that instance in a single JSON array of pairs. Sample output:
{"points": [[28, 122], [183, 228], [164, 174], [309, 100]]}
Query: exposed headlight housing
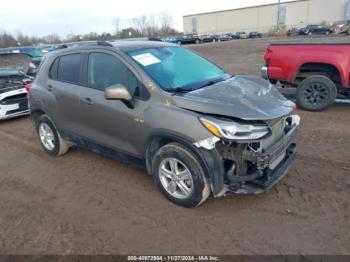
{"points": [[32, 65], [233, 130]]}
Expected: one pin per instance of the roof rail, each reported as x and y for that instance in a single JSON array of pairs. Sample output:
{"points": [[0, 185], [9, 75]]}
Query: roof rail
{"points": [[104, 43], [90, 43]]}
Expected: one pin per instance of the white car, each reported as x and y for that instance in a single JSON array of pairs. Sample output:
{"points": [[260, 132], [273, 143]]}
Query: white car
{"points": [[13, 78]]}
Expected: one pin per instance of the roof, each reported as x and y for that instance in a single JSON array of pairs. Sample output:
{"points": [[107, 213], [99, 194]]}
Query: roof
{"points": [[242, 8], [124, 46]]}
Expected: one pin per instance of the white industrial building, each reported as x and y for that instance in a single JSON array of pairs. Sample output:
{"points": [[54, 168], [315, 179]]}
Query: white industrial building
{"points": [[267, 18]]}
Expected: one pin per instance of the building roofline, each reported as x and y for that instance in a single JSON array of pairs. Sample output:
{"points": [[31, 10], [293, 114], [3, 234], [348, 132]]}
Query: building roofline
{"points": [[241, 8]]}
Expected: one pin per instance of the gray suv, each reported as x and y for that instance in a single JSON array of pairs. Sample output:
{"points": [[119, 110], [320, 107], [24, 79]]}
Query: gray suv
{"points": [[196, 129]]}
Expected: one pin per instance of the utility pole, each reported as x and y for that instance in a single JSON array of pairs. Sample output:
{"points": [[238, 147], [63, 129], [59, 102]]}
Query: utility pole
{"points": [[278, 16]]}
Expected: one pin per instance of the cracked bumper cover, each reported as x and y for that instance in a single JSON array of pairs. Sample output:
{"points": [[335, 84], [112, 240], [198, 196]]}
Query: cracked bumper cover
{"points": [[273, 164], [269, 177], [284, 152]]}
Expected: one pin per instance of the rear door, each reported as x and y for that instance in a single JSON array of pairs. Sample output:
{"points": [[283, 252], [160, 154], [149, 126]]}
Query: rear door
{"points": [[64, 85]]}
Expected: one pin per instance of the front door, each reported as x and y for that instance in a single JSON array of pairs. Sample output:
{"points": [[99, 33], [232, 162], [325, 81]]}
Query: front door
{"points": [[112, 123]]}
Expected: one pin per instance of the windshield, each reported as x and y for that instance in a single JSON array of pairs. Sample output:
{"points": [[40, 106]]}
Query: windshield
{"points": [[174, 68]]}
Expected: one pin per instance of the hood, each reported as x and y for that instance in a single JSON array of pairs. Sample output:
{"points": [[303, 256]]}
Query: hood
{"points": [[247, 98], [11, 62]]}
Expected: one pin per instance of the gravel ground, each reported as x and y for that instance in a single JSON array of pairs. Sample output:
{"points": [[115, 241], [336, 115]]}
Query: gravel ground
{"points": [[84, 203]]}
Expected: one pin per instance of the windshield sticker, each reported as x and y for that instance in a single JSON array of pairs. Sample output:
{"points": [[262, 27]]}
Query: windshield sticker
{"points": [[146, 59]]}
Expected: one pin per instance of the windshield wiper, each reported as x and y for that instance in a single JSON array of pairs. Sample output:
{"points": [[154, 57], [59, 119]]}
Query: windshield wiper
{"points": [[198, 85], [210, 82], [178, 90], [214, 81]]}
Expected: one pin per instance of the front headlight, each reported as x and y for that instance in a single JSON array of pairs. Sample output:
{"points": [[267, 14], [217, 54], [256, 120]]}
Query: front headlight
{"points": [[233, 130]]}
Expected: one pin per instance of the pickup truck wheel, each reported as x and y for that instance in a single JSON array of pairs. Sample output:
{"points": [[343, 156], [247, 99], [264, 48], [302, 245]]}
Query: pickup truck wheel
{"points": [[179, 175], [316, 93], [49, 138], [348, 32]]}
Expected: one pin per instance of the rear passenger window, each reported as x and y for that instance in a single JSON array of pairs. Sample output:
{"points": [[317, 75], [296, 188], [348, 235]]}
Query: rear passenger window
{"points": [[105, 70], [69, 68], [53, 69]]}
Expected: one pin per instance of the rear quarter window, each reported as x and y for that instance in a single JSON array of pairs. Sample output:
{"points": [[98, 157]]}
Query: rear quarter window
{"points": [[53, 69]]}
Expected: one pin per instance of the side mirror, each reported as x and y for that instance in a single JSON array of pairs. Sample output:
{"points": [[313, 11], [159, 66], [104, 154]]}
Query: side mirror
{"points": [[117, 92]]}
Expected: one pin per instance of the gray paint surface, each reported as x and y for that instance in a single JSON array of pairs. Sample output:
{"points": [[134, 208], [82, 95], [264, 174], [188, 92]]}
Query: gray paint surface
{"points": [[247, 98], [128, 129]]}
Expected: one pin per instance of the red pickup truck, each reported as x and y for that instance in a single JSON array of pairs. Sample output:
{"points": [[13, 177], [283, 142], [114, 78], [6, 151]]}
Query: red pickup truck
{"points": [[318, 71]]}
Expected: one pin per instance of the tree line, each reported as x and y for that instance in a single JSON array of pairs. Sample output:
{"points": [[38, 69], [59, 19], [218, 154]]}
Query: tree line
{"points": [[141, 26]]}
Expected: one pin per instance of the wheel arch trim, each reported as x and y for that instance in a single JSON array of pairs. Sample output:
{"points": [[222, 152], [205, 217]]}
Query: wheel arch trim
{"points": [[210, 160]]}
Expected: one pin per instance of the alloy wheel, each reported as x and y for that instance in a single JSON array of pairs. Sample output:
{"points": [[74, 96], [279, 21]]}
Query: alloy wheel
{"points": [[175, 178], [316, 94], [47, 137]]}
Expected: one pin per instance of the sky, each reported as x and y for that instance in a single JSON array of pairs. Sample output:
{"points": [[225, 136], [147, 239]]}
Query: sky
{"points": [[63, 17]]}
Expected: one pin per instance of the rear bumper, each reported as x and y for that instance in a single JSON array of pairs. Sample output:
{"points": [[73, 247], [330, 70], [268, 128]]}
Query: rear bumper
{"points": [[264, 72]]}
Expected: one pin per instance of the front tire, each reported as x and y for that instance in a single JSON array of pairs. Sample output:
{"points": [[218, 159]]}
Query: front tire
{"points": [[316, 93], [49, 138], [180, 176]]}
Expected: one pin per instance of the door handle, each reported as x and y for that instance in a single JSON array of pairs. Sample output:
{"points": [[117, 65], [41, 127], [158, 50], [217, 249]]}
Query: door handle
{"points": [[49, 87], [88, 101]]}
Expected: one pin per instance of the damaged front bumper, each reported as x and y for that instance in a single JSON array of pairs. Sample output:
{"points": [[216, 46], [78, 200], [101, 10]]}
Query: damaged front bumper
{"points": [[263, 180], [13, 102], [248, 170]]}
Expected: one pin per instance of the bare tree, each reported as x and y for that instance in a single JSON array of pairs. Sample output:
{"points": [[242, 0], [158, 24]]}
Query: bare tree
{"points": [[52, 39], [117, 25], [166, 23], [140, 24], [7, 40], [152, 26]]}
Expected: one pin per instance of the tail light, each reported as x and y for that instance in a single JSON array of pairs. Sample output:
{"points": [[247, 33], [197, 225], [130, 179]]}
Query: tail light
{"points": [[27, 87], [267, 56]]}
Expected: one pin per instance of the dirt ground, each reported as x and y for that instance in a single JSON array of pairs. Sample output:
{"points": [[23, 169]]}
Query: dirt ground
{"points": [[84, 203]]}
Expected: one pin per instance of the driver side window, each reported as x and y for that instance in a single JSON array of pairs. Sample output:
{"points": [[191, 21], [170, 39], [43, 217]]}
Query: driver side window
{"points": [[105, 70]]}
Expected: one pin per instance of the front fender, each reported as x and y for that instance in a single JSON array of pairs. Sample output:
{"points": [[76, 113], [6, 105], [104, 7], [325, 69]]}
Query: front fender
{"points": [[211, 161]]}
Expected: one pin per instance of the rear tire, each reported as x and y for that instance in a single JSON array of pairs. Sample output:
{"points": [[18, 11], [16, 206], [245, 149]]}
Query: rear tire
{"points": [[169, 166], [316, 93], [348, 32], [49, 138]]}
